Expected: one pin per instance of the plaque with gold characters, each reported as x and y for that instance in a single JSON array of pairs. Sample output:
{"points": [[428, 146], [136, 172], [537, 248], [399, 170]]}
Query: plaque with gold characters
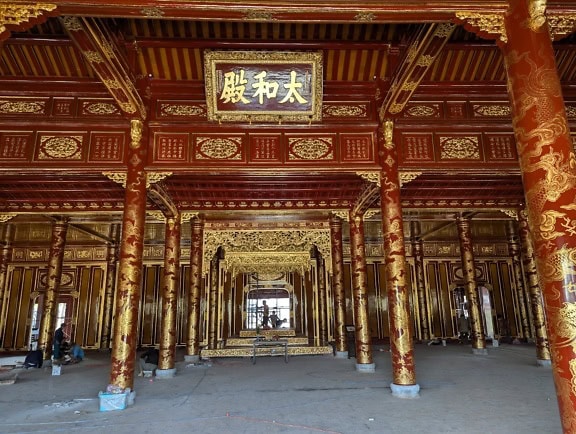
{"points": [[263, 86]]}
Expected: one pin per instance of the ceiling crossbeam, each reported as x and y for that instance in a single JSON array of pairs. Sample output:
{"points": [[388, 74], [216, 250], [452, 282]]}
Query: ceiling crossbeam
{"points": [[420, 55], [98, 46]]}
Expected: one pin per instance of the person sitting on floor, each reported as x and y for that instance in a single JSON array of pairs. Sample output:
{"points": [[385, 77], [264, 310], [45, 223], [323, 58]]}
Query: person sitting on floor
{"points": [[76, 352], [34, 359], [148, 361]]}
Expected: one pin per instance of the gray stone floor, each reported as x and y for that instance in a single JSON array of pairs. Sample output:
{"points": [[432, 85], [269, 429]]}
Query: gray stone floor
{"points": [[503, 392]]}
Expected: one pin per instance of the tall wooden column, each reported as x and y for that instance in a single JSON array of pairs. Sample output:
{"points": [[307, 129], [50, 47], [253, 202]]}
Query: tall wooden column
{"points": [[196, 251], [401, 340], [49, 312], [364, 361], [170, 286], [515, 254], [130, 269], [322, 305], [467, 258], [338, 287], [418, 252], [108, 309], [5, 254], [213, 303], [548, 169], [538, 317]]}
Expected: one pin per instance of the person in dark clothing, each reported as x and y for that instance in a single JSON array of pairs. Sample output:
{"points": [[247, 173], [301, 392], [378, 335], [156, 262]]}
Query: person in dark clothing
{"points": [[58, 340], [148, 361], [34, 359]]}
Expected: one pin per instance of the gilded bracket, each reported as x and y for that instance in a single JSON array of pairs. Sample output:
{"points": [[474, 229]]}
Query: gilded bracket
{"points": [[6, 217], [188, 216], [512, 213], [406, 177], [372, 177], [117, 177], [343, 214], [486, 25], [21, 15]]}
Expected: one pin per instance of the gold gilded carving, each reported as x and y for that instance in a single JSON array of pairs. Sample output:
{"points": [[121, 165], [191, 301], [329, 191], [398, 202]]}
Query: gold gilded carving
{"points": [[5, 217], [187, 216], [422, 111], [455, 148], [492, 24], [444, 30], [152, 12], [93, 56], [128, 107], [13, 15], [388, 130], [365, 17], [156, 215], [561, 25], [492, 110], [135, 133], [99, 108], [406, 177], [66, 148], [72, 24], [536, 11], [312, 148], [341, 111], [258, 15], [267, 263], [372, 177], [571, 111], [410, 86], [117, 177], [343, 214], [111, 83], [7, 106], [265, 241], [567, 323], [512, 213], [154, 177], [219, 148], [371, 213], [182, 110]]}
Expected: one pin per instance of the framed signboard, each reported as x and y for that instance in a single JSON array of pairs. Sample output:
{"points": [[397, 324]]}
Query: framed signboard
{"points": [[263, 86]]}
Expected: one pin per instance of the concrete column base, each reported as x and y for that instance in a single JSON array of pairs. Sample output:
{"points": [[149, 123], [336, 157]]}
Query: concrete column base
{"points": [[165, 373], [366, 367], [401, 391], [544, 363], [480, 351], [341, 354], [192, 358]]}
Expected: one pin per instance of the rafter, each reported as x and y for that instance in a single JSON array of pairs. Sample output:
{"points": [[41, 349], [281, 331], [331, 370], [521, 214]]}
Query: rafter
{"points": [[97, 44]]}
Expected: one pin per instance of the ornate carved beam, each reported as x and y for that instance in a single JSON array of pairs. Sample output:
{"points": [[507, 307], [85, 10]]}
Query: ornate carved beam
{"points": [[425, 47], [369, 195], [161, 198], [96, 42], [20, 17]]}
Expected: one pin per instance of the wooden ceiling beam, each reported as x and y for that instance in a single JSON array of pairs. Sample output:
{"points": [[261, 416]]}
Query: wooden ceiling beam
{"points": [[98, 46], [420, 55]]}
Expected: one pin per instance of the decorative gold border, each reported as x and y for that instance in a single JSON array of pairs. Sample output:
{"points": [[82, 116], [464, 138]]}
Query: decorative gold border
{"points": [[211, 58]]}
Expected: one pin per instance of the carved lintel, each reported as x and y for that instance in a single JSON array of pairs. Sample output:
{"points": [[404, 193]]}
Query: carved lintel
{"points": [[156, 215], [485, 25]]}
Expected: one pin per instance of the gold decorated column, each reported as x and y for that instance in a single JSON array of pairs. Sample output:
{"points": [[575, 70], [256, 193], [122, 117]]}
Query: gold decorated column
{"points": [[467, 258], [196, 252], [321, 269], [538, 317], [170, 286], [213, 303], [5, 254], [338, 287], [108, 308], [515, 254], [401, 339], [124, 340], [54, 275], [364, 361], [548, 167], [418, 252]]}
